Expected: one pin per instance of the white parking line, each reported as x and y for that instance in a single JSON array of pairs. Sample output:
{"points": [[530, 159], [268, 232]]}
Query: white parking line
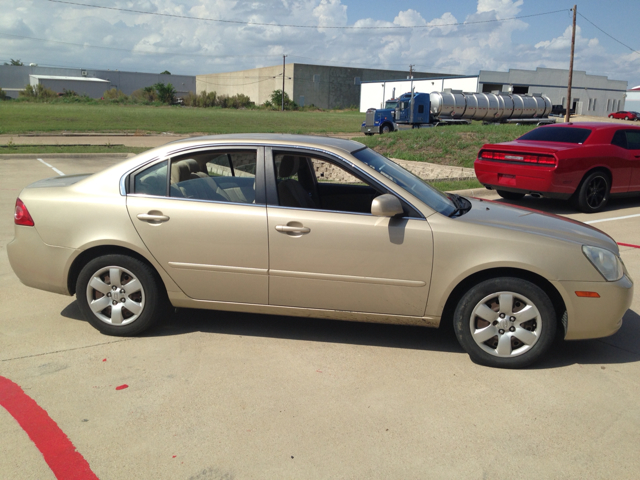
{"points": [[52, 167], [612, 219]]}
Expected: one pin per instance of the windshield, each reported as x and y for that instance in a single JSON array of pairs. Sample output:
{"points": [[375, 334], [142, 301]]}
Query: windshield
{"points": [[557, 134], [391, 104], [407, 180]]}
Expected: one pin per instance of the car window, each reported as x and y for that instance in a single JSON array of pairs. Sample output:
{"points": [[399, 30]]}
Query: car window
{"points": [[633, 139], [557, 134], [407, 180], [152, 180], [619, 139], [218, 176], [313, 182]]}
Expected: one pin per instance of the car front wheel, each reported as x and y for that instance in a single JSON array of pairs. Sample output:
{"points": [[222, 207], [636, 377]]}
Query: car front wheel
{"points": [[120, 295], [505, 322]]}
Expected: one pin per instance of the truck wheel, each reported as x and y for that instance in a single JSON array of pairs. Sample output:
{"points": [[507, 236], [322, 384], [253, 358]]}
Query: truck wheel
{"points": [[386, 128], [510, 195]]}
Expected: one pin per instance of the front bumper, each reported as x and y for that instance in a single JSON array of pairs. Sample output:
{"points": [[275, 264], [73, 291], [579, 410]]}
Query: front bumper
{"points": [[370, 129], [596, 317], [37, 264]]}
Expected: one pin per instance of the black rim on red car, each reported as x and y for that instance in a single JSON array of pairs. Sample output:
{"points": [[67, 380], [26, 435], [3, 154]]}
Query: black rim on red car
{"points": [[596, 192]]}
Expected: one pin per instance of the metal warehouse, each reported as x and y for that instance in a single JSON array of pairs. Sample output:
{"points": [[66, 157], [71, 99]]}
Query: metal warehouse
{"points": [[591, 94], [93, 83]]}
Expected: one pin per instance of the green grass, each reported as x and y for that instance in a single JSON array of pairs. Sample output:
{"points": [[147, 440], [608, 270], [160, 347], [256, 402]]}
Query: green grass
{"points": [[69, 149], [456, 185], [23, 117], [455, 145]]}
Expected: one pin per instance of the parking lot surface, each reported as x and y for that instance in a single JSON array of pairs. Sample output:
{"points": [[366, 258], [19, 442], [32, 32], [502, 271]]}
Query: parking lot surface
{"points": [[218, 395]]}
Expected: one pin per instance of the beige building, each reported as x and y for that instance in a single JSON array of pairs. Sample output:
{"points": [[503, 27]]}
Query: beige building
{"points": [[319, 85]]}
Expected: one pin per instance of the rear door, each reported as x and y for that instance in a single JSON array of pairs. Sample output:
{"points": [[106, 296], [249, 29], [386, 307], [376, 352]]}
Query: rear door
{"points": [[203, 216]]}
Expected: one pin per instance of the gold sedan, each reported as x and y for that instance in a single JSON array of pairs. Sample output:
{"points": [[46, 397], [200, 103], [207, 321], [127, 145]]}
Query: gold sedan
{"points": [[314, 227]]}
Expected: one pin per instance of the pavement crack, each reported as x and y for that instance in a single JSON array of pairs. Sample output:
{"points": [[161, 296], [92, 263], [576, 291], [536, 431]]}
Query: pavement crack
{"points": [[66, 350]]}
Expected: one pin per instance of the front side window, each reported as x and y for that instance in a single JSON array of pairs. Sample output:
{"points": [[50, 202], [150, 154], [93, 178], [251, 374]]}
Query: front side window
{"points": [[313, 182], [222, 176]]}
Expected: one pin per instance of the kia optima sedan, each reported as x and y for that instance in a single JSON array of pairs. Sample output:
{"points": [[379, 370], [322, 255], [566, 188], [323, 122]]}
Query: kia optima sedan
{"points": [[314, 227]]}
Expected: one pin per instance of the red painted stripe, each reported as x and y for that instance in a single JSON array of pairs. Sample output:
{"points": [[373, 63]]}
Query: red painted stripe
{"points": [[64, 461], [628, 245]]}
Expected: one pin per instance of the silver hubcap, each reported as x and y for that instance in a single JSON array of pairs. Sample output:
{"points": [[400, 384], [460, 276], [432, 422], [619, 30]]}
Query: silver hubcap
{"points": [[115, 296], [505, 324]]}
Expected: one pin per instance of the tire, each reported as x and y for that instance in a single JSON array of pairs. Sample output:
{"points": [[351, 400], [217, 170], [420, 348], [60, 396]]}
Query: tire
{"points": [[367, 134], [386, 128], [495, 335], [510, 195], [138, 308], [626, 118], [593, 193]]}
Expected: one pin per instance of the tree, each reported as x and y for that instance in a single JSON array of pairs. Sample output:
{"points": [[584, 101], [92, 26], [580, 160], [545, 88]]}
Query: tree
{"points": [[166, 93], [166, 72], [276, 101], [15, 63]]}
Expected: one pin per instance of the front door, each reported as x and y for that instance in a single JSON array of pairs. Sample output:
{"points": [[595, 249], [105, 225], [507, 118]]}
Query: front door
{"points": [[327, 251]]}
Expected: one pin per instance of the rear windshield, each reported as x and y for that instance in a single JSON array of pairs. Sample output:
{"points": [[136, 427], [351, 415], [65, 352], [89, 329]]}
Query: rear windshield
{"points": [[557, 134]]}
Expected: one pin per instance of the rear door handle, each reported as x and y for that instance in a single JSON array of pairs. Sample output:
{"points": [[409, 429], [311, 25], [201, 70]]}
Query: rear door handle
{"points": [[152, 218], [290, 229]]}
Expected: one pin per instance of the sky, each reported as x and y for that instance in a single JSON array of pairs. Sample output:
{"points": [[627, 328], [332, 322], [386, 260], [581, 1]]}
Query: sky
{"points": [[438, 36]]}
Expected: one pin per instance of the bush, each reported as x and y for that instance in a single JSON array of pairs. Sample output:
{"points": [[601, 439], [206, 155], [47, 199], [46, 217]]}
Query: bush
{"points": [[39, 92], [144, 95], [115, 95], [166, 93], [3, 95]]}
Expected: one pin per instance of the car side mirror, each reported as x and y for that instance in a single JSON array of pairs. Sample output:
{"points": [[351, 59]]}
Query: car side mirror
{"points": [[386, 205]]}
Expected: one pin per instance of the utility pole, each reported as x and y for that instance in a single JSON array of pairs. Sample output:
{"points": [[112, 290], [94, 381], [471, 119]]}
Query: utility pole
{"points": [[567, 116], [411, 77], [283, 57]]}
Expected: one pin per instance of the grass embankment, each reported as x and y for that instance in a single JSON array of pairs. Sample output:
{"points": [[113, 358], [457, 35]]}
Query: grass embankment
{"points": [[455, 145], [21, 117]]}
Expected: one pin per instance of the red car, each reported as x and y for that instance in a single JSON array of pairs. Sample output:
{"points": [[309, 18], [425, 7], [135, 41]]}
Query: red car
{"points": [[584, 162], [626, 115]]}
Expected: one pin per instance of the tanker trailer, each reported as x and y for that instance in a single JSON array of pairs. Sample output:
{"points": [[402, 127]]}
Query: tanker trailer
{"points": [[419, 110]]}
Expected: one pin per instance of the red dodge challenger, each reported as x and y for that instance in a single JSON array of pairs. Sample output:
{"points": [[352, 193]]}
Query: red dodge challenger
{"points": [[582, 162]]}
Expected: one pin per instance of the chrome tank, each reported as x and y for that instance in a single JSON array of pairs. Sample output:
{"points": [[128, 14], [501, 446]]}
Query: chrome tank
{"points": [[488, 106]]}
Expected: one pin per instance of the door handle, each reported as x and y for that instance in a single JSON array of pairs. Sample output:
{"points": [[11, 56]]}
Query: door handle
{"points": [[152, 218], [290, 229]]}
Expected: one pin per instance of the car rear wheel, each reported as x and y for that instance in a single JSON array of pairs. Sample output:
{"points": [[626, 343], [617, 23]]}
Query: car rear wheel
{"points": [[510, 195], [120, 295], [593, 193], [626, 118], [505, 322]]}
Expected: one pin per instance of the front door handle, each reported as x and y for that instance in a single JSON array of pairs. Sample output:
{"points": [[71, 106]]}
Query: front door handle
{"points": [[292, 229], [153, 217]]}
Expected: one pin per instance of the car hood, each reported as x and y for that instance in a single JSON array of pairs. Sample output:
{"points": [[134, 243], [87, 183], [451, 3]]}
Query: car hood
{"points": [[525, 220]]}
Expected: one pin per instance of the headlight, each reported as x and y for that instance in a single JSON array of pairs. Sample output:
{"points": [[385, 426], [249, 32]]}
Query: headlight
{"points": [[607, 263]]}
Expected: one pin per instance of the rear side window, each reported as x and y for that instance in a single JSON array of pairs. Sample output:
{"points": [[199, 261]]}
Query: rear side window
{"points": [[152, 180], [557, 134]]}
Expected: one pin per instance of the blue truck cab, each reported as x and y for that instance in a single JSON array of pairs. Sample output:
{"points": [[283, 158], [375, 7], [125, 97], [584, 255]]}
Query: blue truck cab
{"points": [[400, 111]]}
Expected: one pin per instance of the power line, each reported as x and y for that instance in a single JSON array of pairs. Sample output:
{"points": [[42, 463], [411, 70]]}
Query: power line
{"points": [[238, 22], [610, 36], [84, 45]]}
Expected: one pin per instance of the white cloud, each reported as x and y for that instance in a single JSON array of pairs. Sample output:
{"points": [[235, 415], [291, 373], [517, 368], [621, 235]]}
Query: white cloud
{"points": [[192, 47]]}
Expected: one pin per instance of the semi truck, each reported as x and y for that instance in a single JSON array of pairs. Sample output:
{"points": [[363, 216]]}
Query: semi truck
{"points": [[419, 110]]}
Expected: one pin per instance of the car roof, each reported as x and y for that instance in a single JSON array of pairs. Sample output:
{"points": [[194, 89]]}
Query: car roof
{"points": [[593, 125], [277, 139]]}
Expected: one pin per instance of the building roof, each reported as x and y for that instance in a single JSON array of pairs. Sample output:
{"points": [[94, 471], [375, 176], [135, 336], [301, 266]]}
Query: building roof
{"points": [[75, 79]]}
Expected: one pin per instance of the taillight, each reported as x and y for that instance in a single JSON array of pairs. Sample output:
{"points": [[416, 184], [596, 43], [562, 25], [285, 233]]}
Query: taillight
{"points": [[22, 216], [546, 160]]}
